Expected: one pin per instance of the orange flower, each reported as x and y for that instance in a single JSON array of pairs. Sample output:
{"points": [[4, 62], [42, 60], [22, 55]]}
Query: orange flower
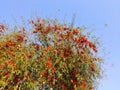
{"points": [[62, 36], [61, 55], [1, 66], [39, 26], [27, 77], [92, 65], [6, 76], [83, 85], [69, 34], [10, 62], [19, 38], [12, 53], [75, 31], [49, 64], [48, 48], [59, 28]]}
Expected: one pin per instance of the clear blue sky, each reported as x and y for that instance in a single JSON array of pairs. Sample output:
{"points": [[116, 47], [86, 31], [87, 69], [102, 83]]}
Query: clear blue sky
{"points": [[91, 13]]}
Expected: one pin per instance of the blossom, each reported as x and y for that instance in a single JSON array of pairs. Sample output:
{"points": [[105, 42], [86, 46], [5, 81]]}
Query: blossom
{"points": [[75, 31], [1, 66], [49, 64], [2, 27], [48, 48]]}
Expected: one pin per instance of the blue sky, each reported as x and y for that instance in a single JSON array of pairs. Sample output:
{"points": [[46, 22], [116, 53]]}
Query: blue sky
{"points": [[91, 13]]}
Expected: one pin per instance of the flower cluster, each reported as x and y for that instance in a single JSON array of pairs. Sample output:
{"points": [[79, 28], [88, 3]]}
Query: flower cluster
{"points": [[65, 59]]}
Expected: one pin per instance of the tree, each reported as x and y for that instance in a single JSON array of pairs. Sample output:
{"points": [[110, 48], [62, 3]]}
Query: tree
{"points": [[64, 59]]}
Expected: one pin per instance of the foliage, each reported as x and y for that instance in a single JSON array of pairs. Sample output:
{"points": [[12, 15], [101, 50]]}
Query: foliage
{"points": [[64, 59]]}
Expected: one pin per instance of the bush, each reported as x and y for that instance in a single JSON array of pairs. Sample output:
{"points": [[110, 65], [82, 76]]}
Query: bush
{"points": [[64, 59]]}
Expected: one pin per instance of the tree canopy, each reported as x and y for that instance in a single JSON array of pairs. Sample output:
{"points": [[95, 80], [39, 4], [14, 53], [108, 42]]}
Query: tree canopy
{"points": [[63, 58]]}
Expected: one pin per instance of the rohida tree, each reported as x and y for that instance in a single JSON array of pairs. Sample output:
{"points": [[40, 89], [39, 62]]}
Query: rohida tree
{"points": [[63, 58]]}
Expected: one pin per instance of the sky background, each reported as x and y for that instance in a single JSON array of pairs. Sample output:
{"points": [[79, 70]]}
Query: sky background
{"points": [[94, 14]]}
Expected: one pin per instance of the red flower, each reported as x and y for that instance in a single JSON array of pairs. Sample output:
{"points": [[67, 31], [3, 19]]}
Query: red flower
{"points": [[64, 87], [74, 81], [91, 87], [94, 48], [75, 72], [42, 74], [37, 46], [5, 74], [67, 53], [65, 28]]}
